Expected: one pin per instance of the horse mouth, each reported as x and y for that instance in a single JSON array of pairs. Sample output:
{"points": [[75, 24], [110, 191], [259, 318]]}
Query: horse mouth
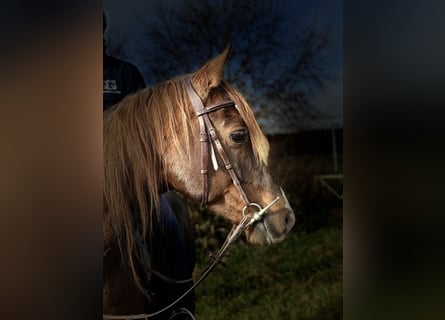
{"points": [[265, 232]]}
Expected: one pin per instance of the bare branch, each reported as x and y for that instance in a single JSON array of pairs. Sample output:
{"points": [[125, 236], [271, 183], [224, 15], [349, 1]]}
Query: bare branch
{"points": [[275, 62]]}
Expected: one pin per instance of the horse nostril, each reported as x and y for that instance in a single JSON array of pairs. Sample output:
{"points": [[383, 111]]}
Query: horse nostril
{"points": [[286, 220]]}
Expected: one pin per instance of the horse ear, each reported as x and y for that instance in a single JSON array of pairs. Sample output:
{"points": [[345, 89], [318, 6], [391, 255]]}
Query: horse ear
{"points": [[210, 75]]}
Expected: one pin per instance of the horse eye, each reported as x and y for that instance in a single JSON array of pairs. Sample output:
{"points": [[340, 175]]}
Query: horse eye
{"points": [[239, 136]]}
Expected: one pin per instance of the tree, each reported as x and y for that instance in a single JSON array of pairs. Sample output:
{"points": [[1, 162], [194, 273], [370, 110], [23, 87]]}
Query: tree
{"points": [[275, 60]]}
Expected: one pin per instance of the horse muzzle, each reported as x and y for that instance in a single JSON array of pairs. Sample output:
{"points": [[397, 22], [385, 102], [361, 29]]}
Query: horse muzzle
{"points": [[274, 225], [272, 229]]}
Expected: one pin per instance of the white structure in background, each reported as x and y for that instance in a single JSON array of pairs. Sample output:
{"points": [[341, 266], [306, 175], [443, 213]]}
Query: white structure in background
{"points": [[330, 103]]}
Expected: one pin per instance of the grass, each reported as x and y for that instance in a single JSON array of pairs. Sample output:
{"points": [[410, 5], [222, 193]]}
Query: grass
{"points": [[299, 278]]}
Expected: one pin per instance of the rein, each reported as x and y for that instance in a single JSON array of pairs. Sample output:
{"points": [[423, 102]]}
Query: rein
{"points": [[207, 130], [233, 235]]}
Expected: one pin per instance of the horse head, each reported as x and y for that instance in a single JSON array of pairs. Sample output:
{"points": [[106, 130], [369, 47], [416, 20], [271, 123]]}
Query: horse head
{"points": [[246, 149]]}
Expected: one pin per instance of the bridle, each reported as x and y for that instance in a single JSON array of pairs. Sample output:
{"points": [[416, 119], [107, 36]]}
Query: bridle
{"points": [[208, 130]]}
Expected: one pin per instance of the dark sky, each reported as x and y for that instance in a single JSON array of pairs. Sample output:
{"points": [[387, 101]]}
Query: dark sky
{"points": [[125, 20]]}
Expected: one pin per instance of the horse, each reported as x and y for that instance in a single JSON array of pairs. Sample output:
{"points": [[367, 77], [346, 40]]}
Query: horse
{"points": [[152, 140]]}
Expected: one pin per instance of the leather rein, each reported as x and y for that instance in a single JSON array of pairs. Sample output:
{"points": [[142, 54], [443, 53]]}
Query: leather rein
{"points": [[208, 138]]}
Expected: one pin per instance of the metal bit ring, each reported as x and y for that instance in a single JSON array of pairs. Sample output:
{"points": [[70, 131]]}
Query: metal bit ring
{"points": [[252, 204]]}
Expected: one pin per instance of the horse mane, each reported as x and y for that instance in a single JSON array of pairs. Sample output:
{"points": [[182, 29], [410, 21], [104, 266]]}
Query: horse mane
{"points": [[135, 131]]}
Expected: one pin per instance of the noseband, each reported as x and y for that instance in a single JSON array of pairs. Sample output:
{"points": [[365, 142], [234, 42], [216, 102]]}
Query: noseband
{"points": [[207, 130]]}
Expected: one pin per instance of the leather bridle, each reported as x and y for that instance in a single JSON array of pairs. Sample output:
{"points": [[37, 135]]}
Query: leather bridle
{"points": [[208, 130]]}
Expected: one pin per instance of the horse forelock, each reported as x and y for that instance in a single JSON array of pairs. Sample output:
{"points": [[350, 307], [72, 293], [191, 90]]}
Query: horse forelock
{"points": [[260, 144]]}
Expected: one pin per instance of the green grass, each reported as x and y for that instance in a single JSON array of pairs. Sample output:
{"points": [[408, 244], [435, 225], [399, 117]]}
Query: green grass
{"points": [[299, 278]]}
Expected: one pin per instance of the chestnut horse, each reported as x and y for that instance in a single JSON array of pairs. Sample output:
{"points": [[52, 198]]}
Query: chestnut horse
{"points": [[152, 143]]}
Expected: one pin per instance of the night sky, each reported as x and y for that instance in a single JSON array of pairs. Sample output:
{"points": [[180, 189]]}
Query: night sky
{"points": [[125, 41]]}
